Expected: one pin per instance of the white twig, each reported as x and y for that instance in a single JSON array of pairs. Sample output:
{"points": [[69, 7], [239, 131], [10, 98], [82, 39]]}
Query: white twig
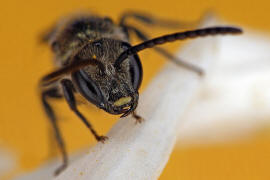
{"points": [[7, 160], [234, 99], [140, 151]]}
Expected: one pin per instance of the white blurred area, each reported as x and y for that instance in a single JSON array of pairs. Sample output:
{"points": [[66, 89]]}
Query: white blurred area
{"points": [[8, 161], [234, 99]]}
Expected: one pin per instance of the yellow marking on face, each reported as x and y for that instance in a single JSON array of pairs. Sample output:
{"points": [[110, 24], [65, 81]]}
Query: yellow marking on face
{"points": [[94, 56], [122, 101], [81, 35]]}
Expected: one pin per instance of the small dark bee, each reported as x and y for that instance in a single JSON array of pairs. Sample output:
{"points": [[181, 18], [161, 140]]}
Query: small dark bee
{"points": [[95, 59]]}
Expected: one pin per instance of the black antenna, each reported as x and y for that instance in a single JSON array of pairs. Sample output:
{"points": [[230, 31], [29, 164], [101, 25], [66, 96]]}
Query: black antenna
{"points": [[72, 67], [173, 37]]}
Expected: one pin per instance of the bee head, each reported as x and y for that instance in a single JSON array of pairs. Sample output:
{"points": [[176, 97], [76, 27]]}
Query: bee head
{"points": [[114, 89]]}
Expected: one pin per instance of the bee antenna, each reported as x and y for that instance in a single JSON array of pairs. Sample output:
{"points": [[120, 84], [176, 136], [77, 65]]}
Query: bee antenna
{"points": [[72, 67], [210, 31]]}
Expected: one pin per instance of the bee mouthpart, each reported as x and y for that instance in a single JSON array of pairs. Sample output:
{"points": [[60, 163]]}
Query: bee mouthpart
{"points": [[127, 111]]}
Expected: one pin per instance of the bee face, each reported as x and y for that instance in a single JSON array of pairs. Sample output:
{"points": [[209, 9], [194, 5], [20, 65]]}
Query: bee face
{"points": [[114, 89]]}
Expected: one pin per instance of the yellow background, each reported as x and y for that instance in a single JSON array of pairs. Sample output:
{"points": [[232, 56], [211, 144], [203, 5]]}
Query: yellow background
{"points": [[24, 127]]}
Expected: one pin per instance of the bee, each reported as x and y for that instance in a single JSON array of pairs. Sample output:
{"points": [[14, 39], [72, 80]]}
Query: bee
{"points": [[94, 58]]}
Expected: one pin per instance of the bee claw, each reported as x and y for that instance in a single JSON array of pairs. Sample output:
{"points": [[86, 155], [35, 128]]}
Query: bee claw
{"points": [[139, 120], [102, 139], [60, 169]]}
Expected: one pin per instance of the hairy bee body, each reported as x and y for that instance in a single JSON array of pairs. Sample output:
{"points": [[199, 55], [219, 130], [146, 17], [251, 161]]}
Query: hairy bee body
{"points": [[71, 33], [84, 37]]}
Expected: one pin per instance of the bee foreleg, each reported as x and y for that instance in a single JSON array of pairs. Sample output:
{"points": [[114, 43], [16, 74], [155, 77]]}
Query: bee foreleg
{"points": [[67, 87], [138, 118]]}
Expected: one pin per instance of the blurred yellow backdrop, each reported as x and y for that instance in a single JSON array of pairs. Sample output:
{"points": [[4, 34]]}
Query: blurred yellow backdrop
{"points": [[24, 128]]}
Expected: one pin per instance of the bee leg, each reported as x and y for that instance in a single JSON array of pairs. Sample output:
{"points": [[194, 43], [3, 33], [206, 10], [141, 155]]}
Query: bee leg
{"points": [[164, 52], [138, 118], [68, 88], [53, 93], [148, 19]]}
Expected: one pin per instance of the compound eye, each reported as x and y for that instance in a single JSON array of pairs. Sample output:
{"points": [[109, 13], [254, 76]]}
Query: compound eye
{"points": [[136, 73], [135, 68], [88, 88]]}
